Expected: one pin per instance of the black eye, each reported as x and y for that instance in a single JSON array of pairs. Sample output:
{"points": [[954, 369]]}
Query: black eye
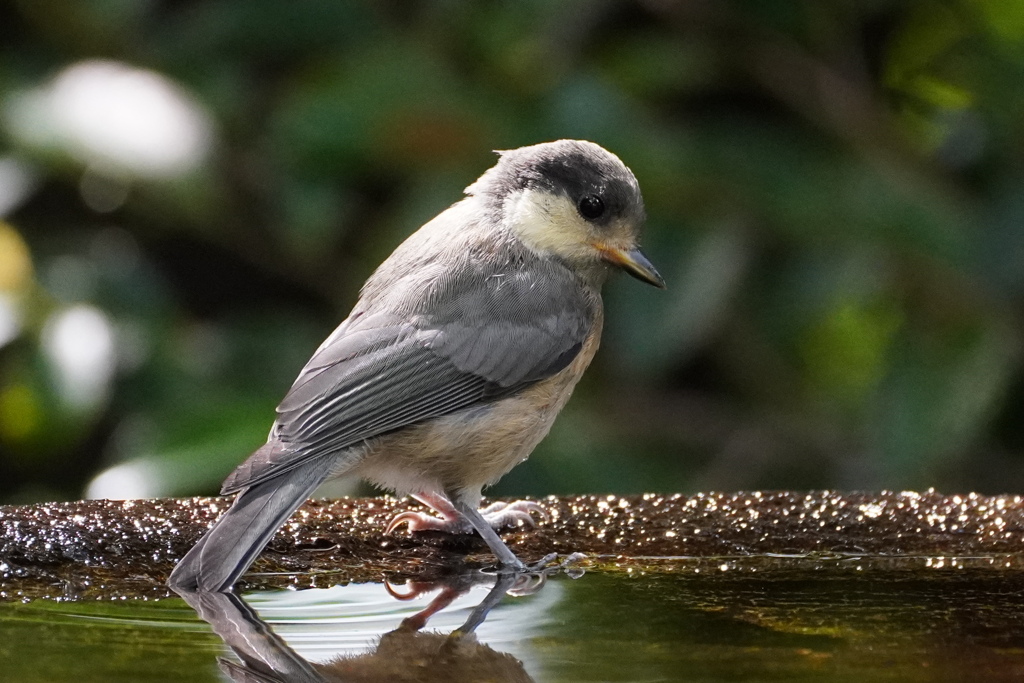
{"points": [[591, 207]]}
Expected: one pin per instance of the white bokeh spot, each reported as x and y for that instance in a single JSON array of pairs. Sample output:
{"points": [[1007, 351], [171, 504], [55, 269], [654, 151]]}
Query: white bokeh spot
{"points": [[129, 480], [116, 118], [79, 343]]}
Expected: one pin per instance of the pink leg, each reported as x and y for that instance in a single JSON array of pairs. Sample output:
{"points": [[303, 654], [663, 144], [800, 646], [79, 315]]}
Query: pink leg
{"points": [[498, 515], [419, 620], [517, 513]]}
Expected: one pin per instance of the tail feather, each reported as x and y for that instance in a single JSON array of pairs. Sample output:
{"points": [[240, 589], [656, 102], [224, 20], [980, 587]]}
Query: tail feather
{"points": [[238, 537]]}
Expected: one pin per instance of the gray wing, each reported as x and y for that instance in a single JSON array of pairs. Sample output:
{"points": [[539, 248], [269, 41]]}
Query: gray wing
{"points": [[466, 339]]}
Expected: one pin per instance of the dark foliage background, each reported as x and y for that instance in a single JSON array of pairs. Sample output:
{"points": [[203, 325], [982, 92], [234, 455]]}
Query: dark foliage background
{"points": [[191, 193]]}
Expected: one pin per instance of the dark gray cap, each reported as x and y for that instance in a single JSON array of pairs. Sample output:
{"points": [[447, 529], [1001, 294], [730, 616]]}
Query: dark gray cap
{"points": [[573, 168]]}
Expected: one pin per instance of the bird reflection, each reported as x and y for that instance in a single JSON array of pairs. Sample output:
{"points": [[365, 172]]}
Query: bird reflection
{"points": [[404, 654]]}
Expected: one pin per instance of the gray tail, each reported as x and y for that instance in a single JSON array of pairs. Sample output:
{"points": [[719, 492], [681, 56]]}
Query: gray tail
{"points": [[232, 544]]}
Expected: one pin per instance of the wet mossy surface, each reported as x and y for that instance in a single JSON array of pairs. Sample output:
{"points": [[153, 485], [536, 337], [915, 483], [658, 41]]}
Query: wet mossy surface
{"points": [[125, 549]]}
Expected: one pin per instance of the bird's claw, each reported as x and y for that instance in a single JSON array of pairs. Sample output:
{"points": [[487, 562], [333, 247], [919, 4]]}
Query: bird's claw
{"points": [[544, 566], [421, 521], [541, 565], [569, 564], [500, 515], [527, 583], [532, 577]]}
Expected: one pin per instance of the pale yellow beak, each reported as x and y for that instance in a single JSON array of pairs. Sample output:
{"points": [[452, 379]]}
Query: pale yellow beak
{"points": [[633, 262]]}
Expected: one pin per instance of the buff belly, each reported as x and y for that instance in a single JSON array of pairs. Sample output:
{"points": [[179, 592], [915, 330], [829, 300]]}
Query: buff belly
{"points": [[463, 452]]}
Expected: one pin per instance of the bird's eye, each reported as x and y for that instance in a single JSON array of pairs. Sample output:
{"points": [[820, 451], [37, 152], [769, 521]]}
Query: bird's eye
{"points": [[591, 207]]}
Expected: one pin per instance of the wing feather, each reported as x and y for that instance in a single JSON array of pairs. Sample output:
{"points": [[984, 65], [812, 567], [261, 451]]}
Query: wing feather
{"points": [[486, 329]]}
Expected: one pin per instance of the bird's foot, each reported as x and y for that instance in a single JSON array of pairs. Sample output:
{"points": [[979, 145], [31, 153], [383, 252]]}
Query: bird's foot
{"points": [[421, 521], [570, 565], [541, 565], [499, 515]]}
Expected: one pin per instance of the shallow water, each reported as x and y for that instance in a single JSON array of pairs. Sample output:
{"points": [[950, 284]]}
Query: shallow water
{"points": [[781, 626]]}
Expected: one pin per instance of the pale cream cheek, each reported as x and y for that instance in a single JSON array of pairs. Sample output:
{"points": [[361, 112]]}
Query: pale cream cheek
{"points": [[549, 224]]}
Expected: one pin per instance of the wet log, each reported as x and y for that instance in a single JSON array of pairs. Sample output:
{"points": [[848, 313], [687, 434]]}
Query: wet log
{"points": [[118, 549]]}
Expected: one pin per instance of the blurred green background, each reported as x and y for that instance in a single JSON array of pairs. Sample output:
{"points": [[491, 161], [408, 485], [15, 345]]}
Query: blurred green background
{"points": [[192, 192]]}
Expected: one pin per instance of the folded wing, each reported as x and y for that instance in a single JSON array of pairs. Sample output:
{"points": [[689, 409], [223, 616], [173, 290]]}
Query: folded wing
{"points": [[468, 339]]}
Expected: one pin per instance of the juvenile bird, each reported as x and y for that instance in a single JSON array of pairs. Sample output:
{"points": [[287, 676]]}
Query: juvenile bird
{"points": [[462, 348]]}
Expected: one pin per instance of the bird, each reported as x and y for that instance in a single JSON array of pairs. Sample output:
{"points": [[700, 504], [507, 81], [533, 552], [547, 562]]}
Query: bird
{"points": [[461, 349], [406, 653]]}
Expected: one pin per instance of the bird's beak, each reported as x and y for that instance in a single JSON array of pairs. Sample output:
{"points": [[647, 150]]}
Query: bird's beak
{"points": [[633, 262]]}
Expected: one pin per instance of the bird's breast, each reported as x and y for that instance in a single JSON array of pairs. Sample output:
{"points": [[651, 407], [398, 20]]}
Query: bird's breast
{"points": [[476, 446]]}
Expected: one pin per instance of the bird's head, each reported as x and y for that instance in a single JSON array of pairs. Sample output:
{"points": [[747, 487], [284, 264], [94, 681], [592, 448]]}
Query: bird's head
{"points": [[572, 200]]}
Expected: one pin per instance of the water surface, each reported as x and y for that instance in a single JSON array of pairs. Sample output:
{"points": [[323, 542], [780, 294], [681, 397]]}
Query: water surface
{"points": [[952, 624]]}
